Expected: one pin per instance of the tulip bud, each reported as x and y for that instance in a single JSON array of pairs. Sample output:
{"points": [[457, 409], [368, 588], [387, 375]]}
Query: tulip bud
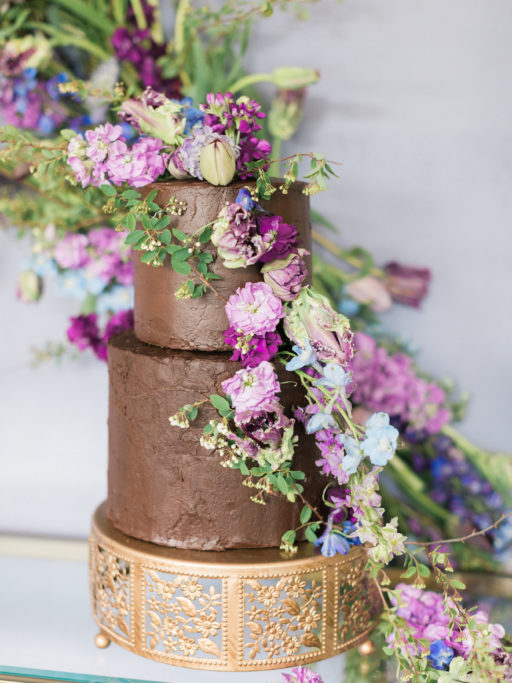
{"points": [[285, 113], [286, 276], [292, 77], [29, 287], [160, 122], [218, 162], [371, 291]]}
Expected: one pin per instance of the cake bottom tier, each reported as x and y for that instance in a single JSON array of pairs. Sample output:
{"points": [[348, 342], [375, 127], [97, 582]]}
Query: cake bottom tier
{"points": [[163, 486], [240, 610]]}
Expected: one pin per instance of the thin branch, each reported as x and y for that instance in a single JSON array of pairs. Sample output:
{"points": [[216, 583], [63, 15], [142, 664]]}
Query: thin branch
{"points": [[462, 539]]}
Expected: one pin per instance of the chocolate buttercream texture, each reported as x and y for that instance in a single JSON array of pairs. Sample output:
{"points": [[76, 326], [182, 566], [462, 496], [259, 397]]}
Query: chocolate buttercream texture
{"points": [[164, 487], [197, 324]]}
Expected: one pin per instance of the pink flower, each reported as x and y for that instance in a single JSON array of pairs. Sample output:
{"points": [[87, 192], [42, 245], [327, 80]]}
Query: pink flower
{"points": [[266, 426], [286, 276], [71, 251], [253, 389], [369, 290], [302, 674], [106, 239], [254, 309], [100, 140]]}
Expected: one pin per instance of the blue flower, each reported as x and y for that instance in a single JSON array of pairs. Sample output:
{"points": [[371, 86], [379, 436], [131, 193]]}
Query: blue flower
{"points": [[52, 85], [333, 542], [349, 528], [42, 265], [377, 420], [348, 307], [440, 655], [305, 356], [320, 420], [72, 283], [193, 116], [245, 199], [46, 124], [335, 377], [353, 454], [117, 299], [381, 438]]}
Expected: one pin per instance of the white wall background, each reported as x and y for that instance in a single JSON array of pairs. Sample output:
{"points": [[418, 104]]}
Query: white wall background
{"points": [[415, 101]]}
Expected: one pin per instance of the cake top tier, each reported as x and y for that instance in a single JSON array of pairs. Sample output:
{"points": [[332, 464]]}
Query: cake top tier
{"points": [[198, 323]]}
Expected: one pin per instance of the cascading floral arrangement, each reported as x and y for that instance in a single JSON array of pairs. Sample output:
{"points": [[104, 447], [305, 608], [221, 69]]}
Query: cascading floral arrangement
{"points": [[275, 321]]}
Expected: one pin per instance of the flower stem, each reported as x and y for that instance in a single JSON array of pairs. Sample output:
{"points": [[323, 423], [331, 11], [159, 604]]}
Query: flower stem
{"points": [[248, 80]]}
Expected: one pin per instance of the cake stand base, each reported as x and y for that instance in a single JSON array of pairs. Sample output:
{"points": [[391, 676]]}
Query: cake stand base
{"points": [[236, 610]]}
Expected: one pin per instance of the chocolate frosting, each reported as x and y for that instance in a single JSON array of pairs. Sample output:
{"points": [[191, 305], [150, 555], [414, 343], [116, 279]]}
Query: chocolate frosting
{"points": [[163, 486], [197, 324]]}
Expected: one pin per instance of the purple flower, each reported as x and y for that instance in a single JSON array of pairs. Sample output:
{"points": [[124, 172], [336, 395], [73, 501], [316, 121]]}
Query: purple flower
{"points": [[286, 276], [236, 237], [106, 239], [100, 140], [253, 389], [250, 350], [302, 674], [312, 318], [252, 149], [84, 332], [119, 322], [280, 237], [407, 285], [333, 542], [254, 309], [138, 166], [266, 426], [71, 251]]}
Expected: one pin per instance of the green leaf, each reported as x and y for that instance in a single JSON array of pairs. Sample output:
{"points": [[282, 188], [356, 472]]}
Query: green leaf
{"points": [[173, 248], [166, 236], [163, 222], [289, 537], [198, 291], [408, 572], [423, 570], [134, 236], [281, 483], [181, 267], [202, 268], [297, 474], [305, 514], [108, 190], [310, 534], [180, 254], [208, 429], [180, 235], [457, 584], [147, 257], [212, 276], [220, 402], [130, 222], [192, 414], [151, 196], [131, 194], [205, 258], [205, 235]]}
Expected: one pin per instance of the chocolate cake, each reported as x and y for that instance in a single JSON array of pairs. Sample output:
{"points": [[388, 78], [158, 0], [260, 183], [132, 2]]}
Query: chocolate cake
{"points": [[163, 486]]}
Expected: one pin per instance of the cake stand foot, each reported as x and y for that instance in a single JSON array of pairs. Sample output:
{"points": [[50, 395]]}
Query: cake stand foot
{"points": [[101, 640]]}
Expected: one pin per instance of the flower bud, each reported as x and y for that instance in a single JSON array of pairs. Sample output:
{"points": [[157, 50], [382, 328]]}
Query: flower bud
{"points": [[286, 276], [218, 163], [29, 287], [371, 291], [292, 77], [160, 121]]}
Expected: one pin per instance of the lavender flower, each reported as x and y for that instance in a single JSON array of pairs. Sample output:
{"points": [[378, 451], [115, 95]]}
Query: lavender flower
{"points": [[100, 140], [302, 674], [253, 389], [236, 238], [286, 276], [254, 309], [71, 251]]}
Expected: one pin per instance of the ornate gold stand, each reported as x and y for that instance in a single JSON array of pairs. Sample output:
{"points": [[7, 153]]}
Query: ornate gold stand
{"points": [[238, 610]]}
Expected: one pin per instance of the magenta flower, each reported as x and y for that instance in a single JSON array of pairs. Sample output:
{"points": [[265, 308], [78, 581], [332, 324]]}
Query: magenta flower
{"points": [[119, 322], [71, 251], [254, 309], [253, 389], [84, 332], [286, 276], [280, 237], [301, 674], [106, 239], [407, 285], [252, 349]]}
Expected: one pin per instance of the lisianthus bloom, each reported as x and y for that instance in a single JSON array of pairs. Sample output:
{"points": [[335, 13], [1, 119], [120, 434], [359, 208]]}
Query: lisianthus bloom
{"points": [[286, 276], [250, 350], [312, 318], [254, 309], [253, 389], [266, 426], [235, 235], [407, 285], [280, 237]]}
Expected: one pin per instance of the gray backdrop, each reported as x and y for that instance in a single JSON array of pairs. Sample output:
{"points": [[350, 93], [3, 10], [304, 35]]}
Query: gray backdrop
{"points": [[415, 101]]}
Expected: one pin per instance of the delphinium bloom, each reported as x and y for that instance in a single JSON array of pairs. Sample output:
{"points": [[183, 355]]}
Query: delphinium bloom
{"points": [[254, 309], [239, 120]]}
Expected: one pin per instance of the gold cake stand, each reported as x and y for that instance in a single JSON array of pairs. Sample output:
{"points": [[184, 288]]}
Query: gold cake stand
{"points": [[237, 610]]}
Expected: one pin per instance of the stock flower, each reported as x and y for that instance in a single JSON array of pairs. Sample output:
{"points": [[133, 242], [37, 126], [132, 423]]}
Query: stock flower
{"points": [[280, 237], [139, 165], [285, 276], [99, 141], [254, 309], [119, 322], [302, 674], [71, 251], [312, 317], [236, 238], [250, 350], [253, 389]]}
